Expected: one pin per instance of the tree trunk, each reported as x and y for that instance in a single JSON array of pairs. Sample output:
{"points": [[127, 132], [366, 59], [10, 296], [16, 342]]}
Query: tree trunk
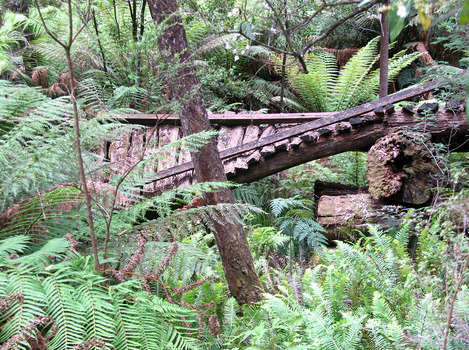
{"points": [[384, 52], [236, 257]]}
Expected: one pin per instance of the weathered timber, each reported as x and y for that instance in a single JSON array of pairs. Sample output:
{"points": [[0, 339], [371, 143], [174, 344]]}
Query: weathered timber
{"points": [[401, 167], [282, 145], [428, 107], [295, 142], [324, 132], [310, 126], [356, 122], [254, 157], [389, 108], [251, 134], [228, 118], [167, 135], [230, 137], [309, 136], [379, 112], [447, 128], [408, 109], [357, 140], [268, 149], [343, 128]]}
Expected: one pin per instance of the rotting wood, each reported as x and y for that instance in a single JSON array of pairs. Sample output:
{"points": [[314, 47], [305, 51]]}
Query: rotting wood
{"points": [[311, 126], [295, 142], [447, 128], [358, 139], [267, 150], [251, 134], [230, 137], [167, 135]]}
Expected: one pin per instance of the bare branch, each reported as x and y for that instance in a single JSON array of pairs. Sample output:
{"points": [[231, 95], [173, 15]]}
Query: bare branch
{"points": [[46, 28], [338, 23]]}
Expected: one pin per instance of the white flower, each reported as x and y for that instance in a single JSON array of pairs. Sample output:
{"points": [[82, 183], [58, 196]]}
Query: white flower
{"points": [[248, 47], [234, 50], [273, 29], [236, 58], [402, 10], [227, 46], [243, 52]]}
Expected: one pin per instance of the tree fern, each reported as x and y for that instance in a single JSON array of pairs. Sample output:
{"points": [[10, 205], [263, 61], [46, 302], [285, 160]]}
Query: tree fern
{"points": [[82, 308], [19, 279], [325, 88]]}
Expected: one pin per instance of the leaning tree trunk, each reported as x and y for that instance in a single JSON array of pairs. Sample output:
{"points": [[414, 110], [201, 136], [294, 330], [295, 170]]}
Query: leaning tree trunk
{"points": [[236, 257]]}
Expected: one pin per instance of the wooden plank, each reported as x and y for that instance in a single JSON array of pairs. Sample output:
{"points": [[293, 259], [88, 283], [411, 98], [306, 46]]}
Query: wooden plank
{"points": [[251, 133], [228, 119], [338, 117], [449, 129], [254, 157], [151, 140], [186, 178], [167, 135], [230, 137], [118, 153]]}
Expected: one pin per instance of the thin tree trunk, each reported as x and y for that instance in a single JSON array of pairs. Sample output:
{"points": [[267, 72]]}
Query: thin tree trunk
{"points": [[236, 257], [384, 52]]}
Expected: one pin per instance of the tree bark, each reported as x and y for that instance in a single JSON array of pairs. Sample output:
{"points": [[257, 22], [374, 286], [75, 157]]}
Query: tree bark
{"points": [[236, 257], [384, 52]]}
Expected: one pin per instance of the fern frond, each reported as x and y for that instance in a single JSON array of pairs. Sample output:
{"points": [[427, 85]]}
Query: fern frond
{"points": [[99, 310], [279, 205], [22, 312], [351, 77], [15, 244], [314, 87], [54, 248], [65, 309]]}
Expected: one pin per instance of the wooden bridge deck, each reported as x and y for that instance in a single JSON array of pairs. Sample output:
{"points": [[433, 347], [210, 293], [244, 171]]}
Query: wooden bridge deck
{"points": [[253, 146]]}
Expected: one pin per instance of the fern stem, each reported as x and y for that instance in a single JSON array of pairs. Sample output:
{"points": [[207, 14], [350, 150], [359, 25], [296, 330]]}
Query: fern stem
{"points": [[67, 46]]}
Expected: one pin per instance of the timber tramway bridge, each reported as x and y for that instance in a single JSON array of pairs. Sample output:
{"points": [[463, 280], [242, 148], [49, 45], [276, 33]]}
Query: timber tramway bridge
{"points": [[253, 146]]}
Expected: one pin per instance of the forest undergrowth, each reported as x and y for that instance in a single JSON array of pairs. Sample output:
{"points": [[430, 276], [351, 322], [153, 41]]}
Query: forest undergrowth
{"points": [[150, 276]]}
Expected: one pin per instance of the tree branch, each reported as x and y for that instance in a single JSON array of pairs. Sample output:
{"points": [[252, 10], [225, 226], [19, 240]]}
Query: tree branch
{"points": [[338, 23]]}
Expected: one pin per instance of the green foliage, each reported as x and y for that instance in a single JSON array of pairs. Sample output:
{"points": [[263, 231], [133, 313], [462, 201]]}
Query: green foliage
{"points": [[77, 306], [325, 88], [375, 294], [295, 220], [350, 167], [263, 240]]}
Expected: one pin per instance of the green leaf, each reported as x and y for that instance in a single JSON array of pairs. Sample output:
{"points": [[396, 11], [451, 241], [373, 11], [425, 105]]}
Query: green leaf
{"points": [[245, 28], [464, 17], [396, 23]]}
